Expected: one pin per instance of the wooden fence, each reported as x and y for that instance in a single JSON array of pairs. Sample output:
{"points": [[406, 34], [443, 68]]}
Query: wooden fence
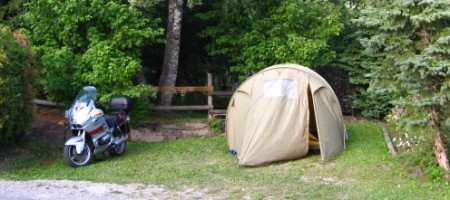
{"points": [[209, 89]]}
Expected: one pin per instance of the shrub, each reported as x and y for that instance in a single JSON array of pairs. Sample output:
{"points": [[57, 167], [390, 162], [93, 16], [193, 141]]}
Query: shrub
{"points": [[217, 125], [79, 43], [414, 145], [15, 86], [139, 112]]}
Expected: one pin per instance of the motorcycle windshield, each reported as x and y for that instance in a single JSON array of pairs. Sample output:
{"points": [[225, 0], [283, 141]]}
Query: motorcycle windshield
{"points": [[86, 94], [84, 103]]}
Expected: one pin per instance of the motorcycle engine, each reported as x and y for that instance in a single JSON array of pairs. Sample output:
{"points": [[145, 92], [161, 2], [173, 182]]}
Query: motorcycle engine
{"points": [[104, 140]]}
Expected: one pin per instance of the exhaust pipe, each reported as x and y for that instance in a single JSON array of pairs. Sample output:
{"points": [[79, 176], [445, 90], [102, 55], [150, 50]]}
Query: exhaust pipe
{"points": [[118, 141]]}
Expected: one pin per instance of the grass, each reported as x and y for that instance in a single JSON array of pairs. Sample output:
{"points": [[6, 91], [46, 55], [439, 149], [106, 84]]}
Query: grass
{"points": [[364, 170]]}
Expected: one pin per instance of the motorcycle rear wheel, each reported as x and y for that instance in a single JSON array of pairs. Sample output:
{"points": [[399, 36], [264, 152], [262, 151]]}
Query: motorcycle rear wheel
{"points": [[77, 160], [119, 149]]}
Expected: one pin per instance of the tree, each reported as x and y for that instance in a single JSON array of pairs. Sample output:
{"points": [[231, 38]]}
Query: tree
{"points": [[16, 81], [192, 55], [254, 35], [10, 12], [95, 42], [357, 62], [172, 50], [413, 38]]}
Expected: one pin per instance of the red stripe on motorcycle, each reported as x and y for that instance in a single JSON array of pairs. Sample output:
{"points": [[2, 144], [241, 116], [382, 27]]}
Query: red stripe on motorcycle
{"points": [[97, 130]]}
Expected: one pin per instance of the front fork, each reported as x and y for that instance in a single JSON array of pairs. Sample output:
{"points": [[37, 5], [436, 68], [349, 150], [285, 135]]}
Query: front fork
{"points": [[78, 141]]}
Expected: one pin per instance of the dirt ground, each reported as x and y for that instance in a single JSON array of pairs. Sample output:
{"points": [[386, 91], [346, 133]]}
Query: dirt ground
{"points": [[50, 125]]}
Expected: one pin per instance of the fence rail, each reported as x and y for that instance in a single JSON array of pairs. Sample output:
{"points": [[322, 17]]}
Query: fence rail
{"points": [[209, 89], [45, 103], [179, 108], [209, 107]]}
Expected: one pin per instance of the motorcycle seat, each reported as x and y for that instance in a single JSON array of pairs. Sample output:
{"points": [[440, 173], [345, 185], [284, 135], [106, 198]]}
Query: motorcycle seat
{"points": [[111, 120], [114, 120]]}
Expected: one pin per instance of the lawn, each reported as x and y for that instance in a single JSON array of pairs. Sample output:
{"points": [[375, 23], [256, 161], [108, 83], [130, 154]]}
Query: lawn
{"points": [[364, 170]]}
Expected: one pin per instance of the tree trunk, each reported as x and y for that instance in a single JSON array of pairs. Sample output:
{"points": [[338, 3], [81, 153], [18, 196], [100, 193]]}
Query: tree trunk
{"points": [[440, 150], [441, 153], [172, 50]]}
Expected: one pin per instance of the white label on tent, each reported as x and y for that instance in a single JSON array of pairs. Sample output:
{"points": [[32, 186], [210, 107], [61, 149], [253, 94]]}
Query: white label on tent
{"points": [[281, 88]]}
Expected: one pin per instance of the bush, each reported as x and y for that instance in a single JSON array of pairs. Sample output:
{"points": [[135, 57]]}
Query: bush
{"points": [[373, 106], [217, 125], [415, 146], [15, 86], [139, 112], [79, 43]]}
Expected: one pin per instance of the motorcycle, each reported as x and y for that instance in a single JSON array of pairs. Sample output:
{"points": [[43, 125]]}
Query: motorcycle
{"points": [[93, 132]]}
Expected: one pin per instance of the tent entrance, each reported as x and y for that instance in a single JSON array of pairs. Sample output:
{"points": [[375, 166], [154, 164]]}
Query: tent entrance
{"points": [[312, 126]]}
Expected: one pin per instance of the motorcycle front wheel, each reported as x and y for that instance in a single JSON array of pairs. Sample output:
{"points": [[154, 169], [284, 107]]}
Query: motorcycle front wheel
{"points": [[77, 160]]}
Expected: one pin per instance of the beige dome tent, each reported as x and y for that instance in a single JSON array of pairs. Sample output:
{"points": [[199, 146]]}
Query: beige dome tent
{"points": [[273, 115]]}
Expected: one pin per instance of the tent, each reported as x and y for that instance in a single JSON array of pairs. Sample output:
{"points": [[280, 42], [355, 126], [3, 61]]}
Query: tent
{"points": [[278, 113]]}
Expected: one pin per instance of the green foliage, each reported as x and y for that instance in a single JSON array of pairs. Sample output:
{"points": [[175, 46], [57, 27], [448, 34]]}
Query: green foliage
{"points": [[16, 77], [420, 155], [358, 63], [81, 43], [10, 12], [435, 173], [370, 105], [255, 35], [410, 37], [139, 112], [410, 43], [217, 125], [415, 147]]}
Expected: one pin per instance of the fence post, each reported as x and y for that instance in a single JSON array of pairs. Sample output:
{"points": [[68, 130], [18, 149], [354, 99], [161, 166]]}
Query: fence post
{"points": [[210, 100]]}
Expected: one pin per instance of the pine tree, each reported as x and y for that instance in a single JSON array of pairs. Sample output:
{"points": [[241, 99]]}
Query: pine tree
{"points": [[357, 62], [413, 39]]}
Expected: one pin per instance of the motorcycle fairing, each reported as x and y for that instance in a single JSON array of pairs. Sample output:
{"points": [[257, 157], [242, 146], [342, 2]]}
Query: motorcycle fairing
{"points": [[83, 105], [96, 130], [78, 142]]}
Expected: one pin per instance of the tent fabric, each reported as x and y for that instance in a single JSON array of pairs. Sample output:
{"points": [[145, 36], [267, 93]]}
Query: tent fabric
{"points": [[269, 116]]}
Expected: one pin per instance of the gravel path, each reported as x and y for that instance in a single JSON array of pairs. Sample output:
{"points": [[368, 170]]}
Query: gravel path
{"points": [[64, 189]]}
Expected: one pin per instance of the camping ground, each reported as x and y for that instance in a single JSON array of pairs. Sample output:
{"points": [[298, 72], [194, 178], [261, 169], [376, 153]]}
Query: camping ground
{"points": [[364, 170]]}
